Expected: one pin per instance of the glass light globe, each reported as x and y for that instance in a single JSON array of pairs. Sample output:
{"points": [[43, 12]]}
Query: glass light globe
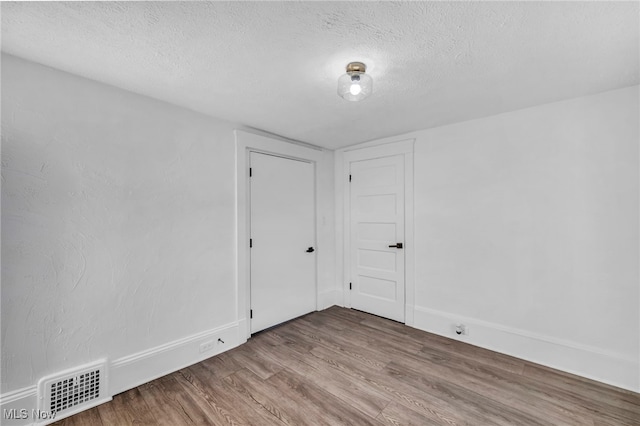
{"points": [[355, 85]]}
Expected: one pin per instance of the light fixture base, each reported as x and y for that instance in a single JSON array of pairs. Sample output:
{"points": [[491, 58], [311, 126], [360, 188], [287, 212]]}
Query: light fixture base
{"points": [[356, 67]]}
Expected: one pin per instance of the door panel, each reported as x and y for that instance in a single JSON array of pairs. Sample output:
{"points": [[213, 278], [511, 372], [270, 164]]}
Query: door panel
{"points": [[377, 231], [376, 222], [282, 229], [378, 288], [377, 259]]}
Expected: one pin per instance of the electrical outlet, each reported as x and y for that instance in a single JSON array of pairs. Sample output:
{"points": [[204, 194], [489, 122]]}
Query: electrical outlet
{"points": [[461, 330], [207, 346]]}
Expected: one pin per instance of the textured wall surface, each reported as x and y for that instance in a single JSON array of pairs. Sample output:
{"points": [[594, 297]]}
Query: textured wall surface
{"points": [[529, 220], [117, 222], [526, 230], [275, 65]]}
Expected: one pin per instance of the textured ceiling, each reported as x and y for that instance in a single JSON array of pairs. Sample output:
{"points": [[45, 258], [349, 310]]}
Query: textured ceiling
{"points": [[274, 65]]}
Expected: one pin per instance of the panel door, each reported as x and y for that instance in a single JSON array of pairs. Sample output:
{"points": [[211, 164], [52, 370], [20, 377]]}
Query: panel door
{"points": [[377, 236]]}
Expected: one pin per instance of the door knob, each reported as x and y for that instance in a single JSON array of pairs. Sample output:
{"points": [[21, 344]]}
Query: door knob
{"points": [[310, 250], [398, 245]]}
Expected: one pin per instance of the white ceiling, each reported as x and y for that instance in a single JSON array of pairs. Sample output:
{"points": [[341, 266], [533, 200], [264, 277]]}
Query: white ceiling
{"points": [[274, 65]]}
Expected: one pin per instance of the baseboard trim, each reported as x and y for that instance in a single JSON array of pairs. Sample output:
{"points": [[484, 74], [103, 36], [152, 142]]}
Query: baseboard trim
{"points": [[575, 358], [142, 367], [16, 395], [18, 403]]}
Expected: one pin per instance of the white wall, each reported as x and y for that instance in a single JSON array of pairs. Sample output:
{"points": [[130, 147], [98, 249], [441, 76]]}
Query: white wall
{"points": [[526, 229], [118, 222], [328, 292], [119, 227]]}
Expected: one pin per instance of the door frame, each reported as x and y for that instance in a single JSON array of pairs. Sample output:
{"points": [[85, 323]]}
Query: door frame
{"points": [[247, 142], [404, 148]]}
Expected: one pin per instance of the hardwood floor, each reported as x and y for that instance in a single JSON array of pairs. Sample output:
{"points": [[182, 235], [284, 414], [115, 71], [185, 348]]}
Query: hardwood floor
{"points": [[341, 366]]}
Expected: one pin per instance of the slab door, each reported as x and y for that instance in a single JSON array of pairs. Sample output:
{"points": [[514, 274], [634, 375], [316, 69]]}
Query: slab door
{"points": [[377, 236], [283, 258]]}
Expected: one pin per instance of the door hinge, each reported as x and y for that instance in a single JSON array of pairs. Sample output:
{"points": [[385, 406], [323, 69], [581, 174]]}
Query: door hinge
{"points": [[349, 286], [349, 178], [250, 172], [250, 242], [250, 313]]}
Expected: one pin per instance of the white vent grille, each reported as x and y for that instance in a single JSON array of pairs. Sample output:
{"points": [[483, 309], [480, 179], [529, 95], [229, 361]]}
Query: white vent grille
{"points": [[75, 390], [72, 391]]}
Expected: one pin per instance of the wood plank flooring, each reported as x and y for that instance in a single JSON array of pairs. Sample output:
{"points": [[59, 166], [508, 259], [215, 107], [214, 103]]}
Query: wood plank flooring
{"points": [[341, 367]]}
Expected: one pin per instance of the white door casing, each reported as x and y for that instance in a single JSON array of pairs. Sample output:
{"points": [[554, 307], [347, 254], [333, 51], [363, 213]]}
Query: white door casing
{"points": [[246, 142], [282, 234], [378, 201]]}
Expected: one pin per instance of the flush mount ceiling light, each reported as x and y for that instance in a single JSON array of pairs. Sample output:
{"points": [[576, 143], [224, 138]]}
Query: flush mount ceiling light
{"points": [[355, 85]]}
